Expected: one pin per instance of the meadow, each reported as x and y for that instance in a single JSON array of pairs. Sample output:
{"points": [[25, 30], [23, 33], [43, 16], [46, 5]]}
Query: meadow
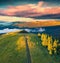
{"points": [[13, 49]]}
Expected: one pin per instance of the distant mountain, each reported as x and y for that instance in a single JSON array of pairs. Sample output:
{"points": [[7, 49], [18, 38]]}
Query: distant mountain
{"points": [[38, 24], [28, 24], [5, 23], [10, 25]]}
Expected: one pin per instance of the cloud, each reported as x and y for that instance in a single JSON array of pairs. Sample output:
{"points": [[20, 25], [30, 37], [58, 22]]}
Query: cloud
{"points": [[9, 19], [30, 10], [41, 3], [9, 30], [13, 19]]}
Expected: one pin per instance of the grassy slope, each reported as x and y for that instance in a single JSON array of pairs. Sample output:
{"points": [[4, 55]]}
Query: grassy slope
{"points": [[40, 54], [9, 54]]}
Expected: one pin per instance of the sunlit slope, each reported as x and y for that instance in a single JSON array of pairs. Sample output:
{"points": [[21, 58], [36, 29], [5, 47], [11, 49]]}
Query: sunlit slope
{"points": [[13, 49]]}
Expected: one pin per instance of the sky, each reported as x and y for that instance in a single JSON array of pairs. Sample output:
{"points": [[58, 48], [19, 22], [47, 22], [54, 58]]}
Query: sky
{"points": [[17, 10]]}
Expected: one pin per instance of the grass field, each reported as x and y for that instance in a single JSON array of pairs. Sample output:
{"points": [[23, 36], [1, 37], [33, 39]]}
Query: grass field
{"points": [[13, 50]]}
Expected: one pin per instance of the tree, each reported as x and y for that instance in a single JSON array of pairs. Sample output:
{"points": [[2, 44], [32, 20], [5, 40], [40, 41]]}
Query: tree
{"points": [[44, 39], [39, 34], [50, 47], [55, 44]]}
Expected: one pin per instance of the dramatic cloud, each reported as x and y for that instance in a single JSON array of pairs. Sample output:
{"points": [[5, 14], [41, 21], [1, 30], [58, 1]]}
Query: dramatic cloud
{"points": [[21, 19], [13, 19], [30, 10], [9, 30]]}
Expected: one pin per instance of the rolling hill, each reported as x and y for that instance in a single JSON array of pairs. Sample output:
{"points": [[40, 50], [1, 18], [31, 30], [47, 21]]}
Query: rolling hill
{"points": [[13, 49]]}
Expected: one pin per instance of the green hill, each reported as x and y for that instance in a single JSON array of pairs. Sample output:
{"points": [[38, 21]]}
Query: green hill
{"points": [[13, 49]]}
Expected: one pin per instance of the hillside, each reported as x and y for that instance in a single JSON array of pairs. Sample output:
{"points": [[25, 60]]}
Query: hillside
{"points": [[38, 24], [13, 49]]}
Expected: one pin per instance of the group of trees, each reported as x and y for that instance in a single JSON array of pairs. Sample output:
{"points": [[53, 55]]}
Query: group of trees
{"points": [[20, 43], [49, 42]]}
